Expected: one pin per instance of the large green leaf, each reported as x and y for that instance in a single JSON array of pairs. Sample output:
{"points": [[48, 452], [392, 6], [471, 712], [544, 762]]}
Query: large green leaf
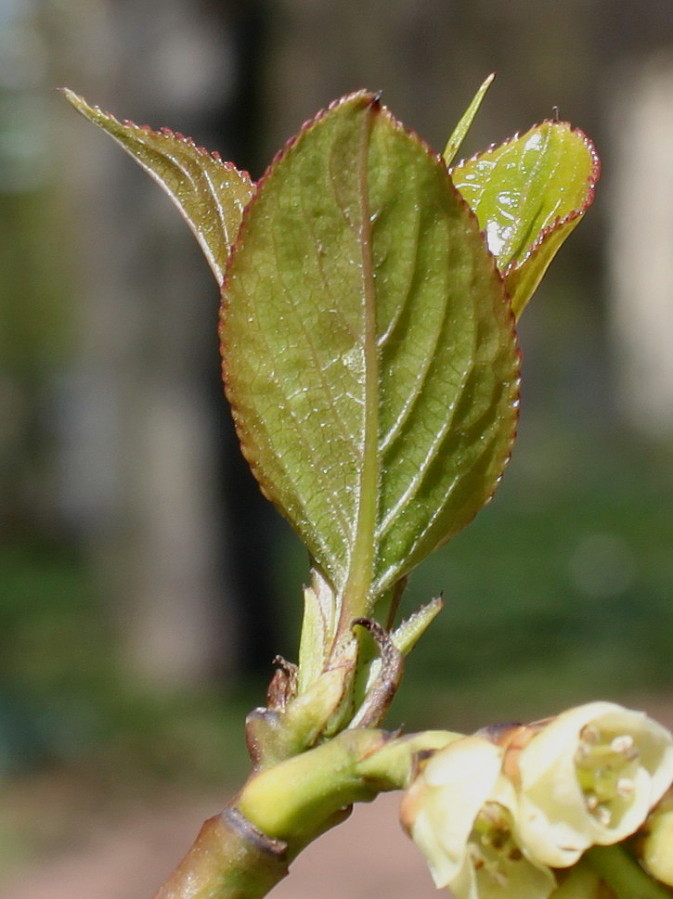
{"points": [[210, 194], [369, 350], [528, 195]]}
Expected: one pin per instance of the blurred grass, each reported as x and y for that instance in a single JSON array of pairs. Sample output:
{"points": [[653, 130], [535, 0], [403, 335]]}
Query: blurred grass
{"points": [[66, 701], [78, 738], [561, 591]]}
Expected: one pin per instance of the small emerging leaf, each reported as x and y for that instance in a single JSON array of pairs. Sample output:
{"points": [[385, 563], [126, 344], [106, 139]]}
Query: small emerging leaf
{"points": [[465, 123], [210, 194], [369, 350], [528, 195], [410, 631]]}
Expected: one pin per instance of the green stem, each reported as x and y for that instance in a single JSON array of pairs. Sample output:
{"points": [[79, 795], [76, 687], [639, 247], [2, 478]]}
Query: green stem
{"points": [[245, 851], [622, 873], [291, 801], [394, 766], [229, 859]]}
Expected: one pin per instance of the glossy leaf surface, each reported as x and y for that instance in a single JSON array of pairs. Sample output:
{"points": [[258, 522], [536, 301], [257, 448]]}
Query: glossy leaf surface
{"points": [[529, 194], [368, 346], [210, 194]]}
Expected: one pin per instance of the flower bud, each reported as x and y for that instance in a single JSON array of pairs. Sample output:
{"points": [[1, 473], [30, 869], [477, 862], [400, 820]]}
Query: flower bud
{"points": [[589, 777], [657, 847], [459, 813]]}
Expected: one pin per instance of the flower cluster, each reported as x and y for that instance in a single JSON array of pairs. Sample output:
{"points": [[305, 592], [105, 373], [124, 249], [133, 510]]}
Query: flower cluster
{"points": [[501, 812]]}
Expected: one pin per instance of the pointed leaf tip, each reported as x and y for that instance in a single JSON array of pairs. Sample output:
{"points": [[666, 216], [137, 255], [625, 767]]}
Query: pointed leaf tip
{"points": [[209, 193], [464, 125], [369, 348]]}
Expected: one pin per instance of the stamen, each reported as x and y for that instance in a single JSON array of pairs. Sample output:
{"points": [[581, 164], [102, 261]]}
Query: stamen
{"points": [[625, 786], [499, 876], [590, 734], [582, 751], [591, 801], [622, 744], [603, 814], [476, 855]]}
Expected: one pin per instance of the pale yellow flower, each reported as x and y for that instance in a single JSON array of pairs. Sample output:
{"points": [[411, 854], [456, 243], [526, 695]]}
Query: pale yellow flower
{"points": [[589, 777], [459, 813]]}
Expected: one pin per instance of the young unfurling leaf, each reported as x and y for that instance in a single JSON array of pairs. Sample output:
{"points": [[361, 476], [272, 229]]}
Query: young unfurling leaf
{"points": [[529, 194], [369, 350], [210, 194]]}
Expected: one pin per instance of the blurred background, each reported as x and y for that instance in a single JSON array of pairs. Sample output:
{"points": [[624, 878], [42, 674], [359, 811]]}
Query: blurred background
{"points": [[144, 585]]}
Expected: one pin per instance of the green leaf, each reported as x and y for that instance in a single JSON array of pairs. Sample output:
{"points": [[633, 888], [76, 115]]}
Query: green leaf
{"points": [[369, 351], [528, 195], [210, 194], [465, 123]]}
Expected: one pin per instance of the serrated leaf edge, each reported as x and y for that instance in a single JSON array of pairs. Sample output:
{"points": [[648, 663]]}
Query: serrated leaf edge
{"points": [[78, 101], [560, 221], [82, 106]]}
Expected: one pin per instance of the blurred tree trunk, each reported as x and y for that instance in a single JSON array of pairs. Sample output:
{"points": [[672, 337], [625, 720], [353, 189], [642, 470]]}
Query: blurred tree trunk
{"points": [[640, 254], [321, 50], [141, 472]]}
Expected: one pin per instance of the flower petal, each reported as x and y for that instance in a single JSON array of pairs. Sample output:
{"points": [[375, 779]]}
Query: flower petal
{"points": [[441, 806], [460, 812], [590, 777]]}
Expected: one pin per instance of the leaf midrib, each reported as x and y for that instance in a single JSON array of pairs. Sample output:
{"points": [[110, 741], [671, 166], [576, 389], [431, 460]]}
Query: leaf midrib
{"points": [[355, 601]]}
